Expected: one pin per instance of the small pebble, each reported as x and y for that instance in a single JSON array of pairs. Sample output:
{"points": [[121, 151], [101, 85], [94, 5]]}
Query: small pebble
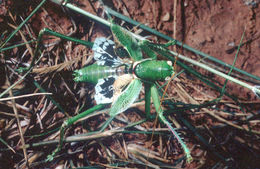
{"points": [[232, 44], [166, 17]]}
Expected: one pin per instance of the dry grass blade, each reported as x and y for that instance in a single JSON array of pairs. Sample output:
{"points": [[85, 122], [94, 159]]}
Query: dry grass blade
{"points": [[23, 96], [18, 123], [22, 35], [55, 68], [188, 99], [141, 151]]}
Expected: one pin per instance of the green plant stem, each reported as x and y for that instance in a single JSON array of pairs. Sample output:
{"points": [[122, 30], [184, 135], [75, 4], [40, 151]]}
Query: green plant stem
{"points": [[14, 46], [233, 65], [253, 88]]}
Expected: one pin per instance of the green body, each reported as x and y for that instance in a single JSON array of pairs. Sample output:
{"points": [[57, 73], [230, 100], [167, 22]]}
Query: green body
{"points": [[93, 73], [148, 70], [153, 70]]}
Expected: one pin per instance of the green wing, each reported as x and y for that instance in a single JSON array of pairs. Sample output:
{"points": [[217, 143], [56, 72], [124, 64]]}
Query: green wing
{"points": [[127, 98], [128, 41]]}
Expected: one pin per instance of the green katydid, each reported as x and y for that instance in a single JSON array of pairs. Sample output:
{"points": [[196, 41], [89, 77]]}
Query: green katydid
{"points": [[119, 82], [133, 74]]}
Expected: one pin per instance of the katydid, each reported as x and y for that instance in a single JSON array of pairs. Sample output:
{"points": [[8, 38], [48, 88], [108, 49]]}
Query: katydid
{"points": [[119, 82]]}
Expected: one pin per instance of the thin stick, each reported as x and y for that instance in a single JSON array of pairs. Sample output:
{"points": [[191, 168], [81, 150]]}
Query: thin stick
{"points": [[18, 123], [239, 82], [21, 78], [175, 22], [22, 96], [21, 34]]}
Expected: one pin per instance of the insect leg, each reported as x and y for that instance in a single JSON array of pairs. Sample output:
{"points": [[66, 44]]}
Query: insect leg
{"points": [[68, 123], [170, 43], [159, 110], [147, 50], [147, 90]]}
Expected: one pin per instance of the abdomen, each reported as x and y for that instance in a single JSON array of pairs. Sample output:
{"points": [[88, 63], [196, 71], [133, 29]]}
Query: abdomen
{"points": [[93, 73]]}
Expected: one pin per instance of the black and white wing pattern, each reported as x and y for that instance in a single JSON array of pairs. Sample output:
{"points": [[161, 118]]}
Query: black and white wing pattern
{"points": [[105, 55], [105, 90], [104, 52]]}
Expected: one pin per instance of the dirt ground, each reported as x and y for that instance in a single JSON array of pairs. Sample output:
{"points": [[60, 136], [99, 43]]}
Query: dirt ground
{"points": [[214, 27]]}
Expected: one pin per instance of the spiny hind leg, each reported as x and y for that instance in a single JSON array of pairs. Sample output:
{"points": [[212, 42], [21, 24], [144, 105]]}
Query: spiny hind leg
{"points": [[68, 123], [159, 110]]}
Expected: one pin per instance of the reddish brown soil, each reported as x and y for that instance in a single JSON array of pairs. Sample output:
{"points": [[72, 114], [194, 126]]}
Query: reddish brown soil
{"points": [[213, 27]]}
